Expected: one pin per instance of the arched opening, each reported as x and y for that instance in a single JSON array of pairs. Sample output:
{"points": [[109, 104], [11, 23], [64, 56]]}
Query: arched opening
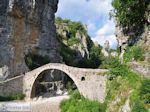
{"points": [[52, 83], [82, 78]]}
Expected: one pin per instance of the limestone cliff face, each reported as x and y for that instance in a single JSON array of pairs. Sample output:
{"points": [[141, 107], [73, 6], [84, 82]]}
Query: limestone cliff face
{"points": [[140, 37], [73, 35], [124, 40], [27, 25]]}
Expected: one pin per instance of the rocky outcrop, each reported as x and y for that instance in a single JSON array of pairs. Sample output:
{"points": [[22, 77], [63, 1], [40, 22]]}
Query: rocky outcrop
{"points": [[4, 73], [106, 49], [27, 25], [141, 68], [82, 47], [140, 37], [75, 39]]}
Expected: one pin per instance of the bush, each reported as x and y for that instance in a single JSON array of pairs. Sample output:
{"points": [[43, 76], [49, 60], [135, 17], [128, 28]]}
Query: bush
{"points": [[145, 91], [34, 60], [130, 13], [110, 62], [72, 41], [78, 103], [69, 55], [94, 60], [115, 67], [18, 96], [134, 53], [139, 107], [121, 70]]}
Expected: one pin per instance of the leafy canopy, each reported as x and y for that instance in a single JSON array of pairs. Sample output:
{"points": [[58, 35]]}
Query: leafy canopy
{"points": [[130, 13]]}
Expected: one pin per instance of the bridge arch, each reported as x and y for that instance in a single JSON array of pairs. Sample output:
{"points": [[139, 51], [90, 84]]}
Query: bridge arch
{"points": [[41, 75], [91, 83]]}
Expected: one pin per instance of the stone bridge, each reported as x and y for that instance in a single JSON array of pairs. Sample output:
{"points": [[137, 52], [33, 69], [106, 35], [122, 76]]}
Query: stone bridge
{"points": [[91, 83]]}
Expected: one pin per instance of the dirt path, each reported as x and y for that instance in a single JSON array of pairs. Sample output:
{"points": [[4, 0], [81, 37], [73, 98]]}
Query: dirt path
{"points": [[47, 105]]}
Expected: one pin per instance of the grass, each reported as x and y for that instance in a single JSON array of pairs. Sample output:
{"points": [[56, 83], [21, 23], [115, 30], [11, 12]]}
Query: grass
{"points": [[77, 103], [126, 84], [134, 53], [18, 96], [122, 84]]}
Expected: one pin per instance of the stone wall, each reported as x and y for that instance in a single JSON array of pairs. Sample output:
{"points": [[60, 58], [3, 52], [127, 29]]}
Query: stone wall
{"points": [[141, 68], [11, 86], [91, 83], [27, 25]]}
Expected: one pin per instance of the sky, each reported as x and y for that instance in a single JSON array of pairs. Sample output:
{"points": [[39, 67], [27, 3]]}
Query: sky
{"points": [[93, 13]]}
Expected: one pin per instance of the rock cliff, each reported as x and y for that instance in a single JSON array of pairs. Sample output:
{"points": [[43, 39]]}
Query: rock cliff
{"points": [[133, 24], [75, 43], [140, 37], [27, 25], [73, 35]]}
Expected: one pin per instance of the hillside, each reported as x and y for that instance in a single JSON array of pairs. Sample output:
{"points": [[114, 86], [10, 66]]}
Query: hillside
{"points": [[77, 49]]}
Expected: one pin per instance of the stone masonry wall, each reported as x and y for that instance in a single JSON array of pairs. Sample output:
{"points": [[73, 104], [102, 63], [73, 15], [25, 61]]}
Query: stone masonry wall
{"points": [[11, 86]]}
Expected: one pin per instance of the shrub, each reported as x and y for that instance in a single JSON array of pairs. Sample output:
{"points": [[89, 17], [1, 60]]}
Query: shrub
{"points": [[18, 96], [34, 60], [145, 91], [138, 107], [116, 68], [72, 41], [68, 55], [130, 13], [110, 62], [121, 70], [134, 52], [94, 60], [78, 103]]}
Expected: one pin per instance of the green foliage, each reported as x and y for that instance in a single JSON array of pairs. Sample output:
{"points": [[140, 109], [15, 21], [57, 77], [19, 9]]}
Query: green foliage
{"points": [[130, 13], [112, 87], [145, 91], [76, 26], [94, 60], [126, 80], [73, 26], [78, 103], [148, 27], [110, 62], [34, 61], [72, 41], [18, 96], [121, 70], [134, 53], [115, 67], [138, 107], [68, 55], [95, 56], [122, 79]]}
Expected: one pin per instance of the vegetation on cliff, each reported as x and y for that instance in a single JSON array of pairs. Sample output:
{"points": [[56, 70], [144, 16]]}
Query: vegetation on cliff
{"points": [[123, 85], [135, 53], [77, 103], [74, 41], [34, 61], [131, 14]]}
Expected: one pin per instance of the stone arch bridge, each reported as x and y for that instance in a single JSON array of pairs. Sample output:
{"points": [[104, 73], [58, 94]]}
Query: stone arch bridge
{"points": [[91, 83]]}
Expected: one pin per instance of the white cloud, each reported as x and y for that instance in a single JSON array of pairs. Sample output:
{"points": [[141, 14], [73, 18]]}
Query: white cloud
{"points": [[108, 28], [81, 10], [106, 33], [94, 13]]}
